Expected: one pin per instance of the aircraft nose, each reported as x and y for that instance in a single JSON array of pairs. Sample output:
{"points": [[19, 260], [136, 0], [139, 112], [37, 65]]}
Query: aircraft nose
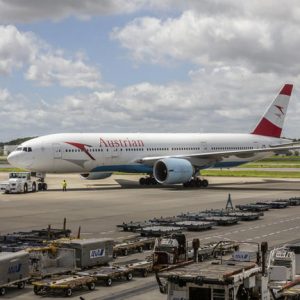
{"points": [[12, 158]]}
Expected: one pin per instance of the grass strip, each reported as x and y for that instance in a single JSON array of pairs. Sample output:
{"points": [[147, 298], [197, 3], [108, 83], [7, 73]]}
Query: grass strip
{"points": [[12, 170], [251, 173]]}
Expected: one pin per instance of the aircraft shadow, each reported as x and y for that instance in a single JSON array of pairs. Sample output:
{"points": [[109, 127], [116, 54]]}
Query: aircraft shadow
{"points": [[269, 185]]}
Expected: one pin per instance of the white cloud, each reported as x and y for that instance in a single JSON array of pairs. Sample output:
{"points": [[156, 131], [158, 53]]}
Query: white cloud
{"points": [[50, 69], [34, 10], [239, 52], [258, 43], [213, 101], [46, 66], [4, 95], [16, 48]]}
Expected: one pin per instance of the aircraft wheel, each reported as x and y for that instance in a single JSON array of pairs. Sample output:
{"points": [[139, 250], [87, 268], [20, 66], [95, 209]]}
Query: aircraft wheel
{"points": [[186, 184], [25, 189], [142, 181], [153, 181], [204, 183]]}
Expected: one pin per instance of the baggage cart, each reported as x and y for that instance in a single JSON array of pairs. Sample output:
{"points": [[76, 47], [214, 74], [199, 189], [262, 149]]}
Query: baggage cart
{"points": [[108, 274], [131, 246], [134, 226], [143, 267], [66, 284]]}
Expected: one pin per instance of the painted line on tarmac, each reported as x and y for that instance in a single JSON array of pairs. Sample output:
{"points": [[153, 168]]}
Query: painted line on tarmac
{"points": [[107, 232], [253, 228], [273, 233]]}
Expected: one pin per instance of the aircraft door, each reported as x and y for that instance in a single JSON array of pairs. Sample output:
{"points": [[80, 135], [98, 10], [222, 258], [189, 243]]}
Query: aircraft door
{"points": [[204, 147], [115, 152], [57, 151]]}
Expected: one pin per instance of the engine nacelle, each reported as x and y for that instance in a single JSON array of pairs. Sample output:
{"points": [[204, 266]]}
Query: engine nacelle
{"points": [[173, 170], [94, 175]]}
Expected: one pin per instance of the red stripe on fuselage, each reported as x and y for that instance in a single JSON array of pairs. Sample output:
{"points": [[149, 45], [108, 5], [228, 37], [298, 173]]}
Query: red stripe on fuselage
{"points": [[266, 128], [82, 148]]}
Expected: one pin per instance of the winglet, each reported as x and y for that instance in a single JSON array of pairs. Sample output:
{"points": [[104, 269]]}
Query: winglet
{"points": [[272, 121]]}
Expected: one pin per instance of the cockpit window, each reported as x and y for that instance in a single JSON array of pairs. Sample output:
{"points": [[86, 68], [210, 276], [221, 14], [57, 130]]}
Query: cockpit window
{"points": [[25, 149]]}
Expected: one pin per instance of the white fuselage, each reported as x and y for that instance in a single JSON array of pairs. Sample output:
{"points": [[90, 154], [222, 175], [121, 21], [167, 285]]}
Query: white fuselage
{"points": [[94, 152]]}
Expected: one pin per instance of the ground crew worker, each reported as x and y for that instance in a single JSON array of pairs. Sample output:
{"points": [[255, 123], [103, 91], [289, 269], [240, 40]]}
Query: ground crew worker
{"points": [[64, 185]]}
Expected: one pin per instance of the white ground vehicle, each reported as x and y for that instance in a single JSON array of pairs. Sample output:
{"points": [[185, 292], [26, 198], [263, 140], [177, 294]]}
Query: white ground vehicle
{"points": [[18, 182]]}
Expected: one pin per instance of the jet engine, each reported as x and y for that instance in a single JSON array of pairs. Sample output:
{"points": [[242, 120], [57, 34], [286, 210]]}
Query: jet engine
{"points": [[172, 170], [94, 175]]}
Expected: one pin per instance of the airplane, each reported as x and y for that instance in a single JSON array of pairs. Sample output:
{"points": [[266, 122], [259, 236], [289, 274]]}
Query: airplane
{"points": [[167, 158]]}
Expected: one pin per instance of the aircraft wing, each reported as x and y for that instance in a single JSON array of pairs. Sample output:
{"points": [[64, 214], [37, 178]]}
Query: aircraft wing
{"points": [[205, 158]]}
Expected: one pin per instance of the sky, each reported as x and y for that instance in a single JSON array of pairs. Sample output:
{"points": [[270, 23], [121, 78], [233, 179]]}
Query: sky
{"points": [[145, 65]]}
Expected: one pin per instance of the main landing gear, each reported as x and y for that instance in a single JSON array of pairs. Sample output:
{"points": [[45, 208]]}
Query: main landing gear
{"points": [[196, 182], [148, 181]]}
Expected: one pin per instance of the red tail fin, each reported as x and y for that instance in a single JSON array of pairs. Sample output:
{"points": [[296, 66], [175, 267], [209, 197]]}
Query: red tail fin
{"points": [[272, 121]]}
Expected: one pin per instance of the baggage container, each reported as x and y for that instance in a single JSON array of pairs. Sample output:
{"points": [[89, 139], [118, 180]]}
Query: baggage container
{"points": [[14, 270], [91, 252], [51, 260]]}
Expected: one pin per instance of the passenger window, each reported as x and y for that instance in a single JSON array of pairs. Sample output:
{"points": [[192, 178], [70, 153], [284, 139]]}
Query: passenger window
{"points": [[29, 149]]}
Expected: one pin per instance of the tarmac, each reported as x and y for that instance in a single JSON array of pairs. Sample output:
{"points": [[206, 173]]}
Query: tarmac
{"points": [[98, 206]]}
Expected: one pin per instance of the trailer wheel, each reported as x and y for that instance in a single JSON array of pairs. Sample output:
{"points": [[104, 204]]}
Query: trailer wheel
{"points": [[2, 291], [144, 273], [125, 252], [25, 188], [91, 286], [68, 292], [21, 285], [140, 249], [36, 290], [108, 282], [34, 187], [129, 276], [201, 258]]}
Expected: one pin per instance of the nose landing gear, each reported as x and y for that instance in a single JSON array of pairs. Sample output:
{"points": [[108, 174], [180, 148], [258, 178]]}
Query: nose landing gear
{"points": [[42, 185]]}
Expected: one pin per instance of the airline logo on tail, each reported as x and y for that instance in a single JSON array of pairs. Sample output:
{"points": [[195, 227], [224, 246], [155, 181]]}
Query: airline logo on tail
{"points": [[271, 123]]}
